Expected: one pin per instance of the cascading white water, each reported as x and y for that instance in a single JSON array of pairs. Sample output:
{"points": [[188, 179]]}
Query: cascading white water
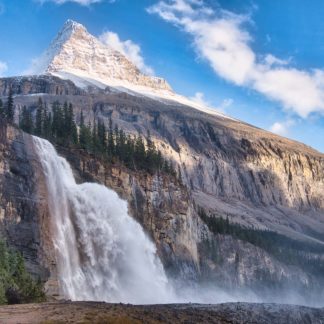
{"points": [[102, 253]]}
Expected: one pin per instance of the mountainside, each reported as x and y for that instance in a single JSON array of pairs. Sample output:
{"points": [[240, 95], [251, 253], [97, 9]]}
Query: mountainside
{"points": [[227, 167], [245, 209]]}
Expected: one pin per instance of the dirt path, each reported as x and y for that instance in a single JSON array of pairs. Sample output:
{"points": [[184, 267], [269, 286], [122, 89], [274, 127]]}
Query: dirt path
{"points": [[101, 313]]}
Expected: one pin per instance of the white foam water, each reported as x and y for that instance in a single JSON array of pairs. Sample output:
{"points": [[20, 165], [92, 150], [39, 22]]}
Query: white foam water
{"points": [[102, 253]]}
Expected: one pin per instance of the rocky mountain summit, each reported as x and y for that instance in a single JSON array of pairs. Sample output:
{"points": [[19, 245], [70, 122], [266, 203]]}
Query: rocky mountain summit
{"points": [[76, 55], [76, 52], [246, 211]]}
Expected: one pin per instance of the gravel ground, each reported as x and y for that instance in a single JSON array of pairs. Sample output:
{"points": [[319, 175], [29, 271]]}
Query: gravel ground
{"points": [[94, 312]]}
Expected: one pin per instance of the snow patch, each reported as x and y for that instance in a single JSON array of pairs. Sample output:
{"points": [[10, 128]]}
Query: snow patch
{"points": [[83, 80]]}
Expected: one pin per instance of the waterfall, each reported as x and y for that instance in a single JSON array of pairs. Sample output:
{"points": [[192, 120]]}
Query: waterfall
{"points": [[102, 253]]}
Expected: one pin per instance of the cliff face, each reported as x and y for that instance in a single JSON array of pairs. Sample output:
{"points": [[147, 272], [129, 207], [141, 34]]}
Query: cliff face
{"points": [[24, 216], [24, 86], [229, 168], [256, 178], [159, 202], [19, 203]]}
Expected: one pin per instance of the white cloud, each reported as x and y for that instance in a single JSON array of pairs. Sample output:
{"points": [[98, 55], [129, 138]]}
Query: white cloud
{"points": [[3, 68], [221, 38], [128, 48], [38, 65], [225, 104], [200, 99], [282, 128], [270, 60]]}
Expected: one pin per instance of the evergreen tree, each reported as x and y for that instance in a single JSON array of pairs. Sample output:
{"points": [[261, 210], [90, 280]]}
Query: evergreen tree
{"points": [[139, 153], [84, 134], [152, 157], [81, 131], [111, 143], [26, 121], [58, 128], [2, 112], [9, 108], [47, 123], [39, 118], [122, 145], [102, 137], [129, 153], [54, 119], [73, 126], [68, 131], [66, 124], [94, 139], [160, 161], [166, 166]]}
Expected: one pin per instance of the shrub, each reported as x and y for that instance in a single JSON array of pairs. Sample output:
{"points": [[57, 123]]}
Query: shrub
{"points": [[16, 284]]}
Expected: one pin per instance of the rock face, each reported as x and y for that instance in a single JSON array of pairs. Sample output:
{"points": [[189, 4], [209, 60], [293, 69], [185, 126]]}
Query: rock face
{"points": [[229, 168], [45, 84], [21, 206]]}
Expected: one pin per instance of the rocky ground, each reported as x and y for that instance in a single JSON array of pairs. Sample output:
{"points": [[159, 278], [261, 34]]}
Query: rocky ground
{"points": [[94, 312]]}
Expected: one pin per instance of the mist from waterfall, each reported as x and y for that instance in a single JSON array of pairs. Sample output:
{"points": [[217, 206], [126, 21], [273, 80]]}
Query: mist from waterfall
{"points": [[102, 253]]}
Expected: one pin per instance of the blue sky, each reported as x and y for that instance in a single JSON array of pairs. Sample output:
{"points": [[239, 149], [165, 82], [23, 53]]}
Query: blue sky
{"points": [[259, 61]]}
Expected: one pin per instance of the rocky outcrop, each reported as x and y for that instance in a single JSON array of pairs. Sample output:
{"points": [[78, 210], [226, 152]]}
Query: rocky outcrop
{"points": [[47, 84]]}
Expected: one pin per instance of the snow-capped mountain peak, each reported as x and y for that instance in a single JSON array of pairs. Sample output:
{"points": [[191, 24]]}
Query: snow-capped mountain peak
{"points": [[72, 25], [77, 55], [75, 51]]}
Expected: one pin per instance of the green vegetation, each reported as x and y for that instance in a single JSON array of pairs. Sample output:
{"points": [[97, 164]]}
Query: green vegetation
{"points": [[110, 144], [16, 285], [283, 248], [1, 109], [7, 110]]}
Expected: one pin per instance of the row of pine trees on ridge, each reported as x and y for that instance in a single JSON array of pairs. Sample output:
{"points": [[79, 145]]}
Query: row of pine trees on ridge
{"points": [[111, 143]]}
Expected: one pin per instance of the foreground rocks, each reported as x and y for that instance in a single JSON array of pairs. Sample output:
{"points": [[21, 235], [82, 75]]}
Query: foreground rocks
{"points": [[94, 312]]}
